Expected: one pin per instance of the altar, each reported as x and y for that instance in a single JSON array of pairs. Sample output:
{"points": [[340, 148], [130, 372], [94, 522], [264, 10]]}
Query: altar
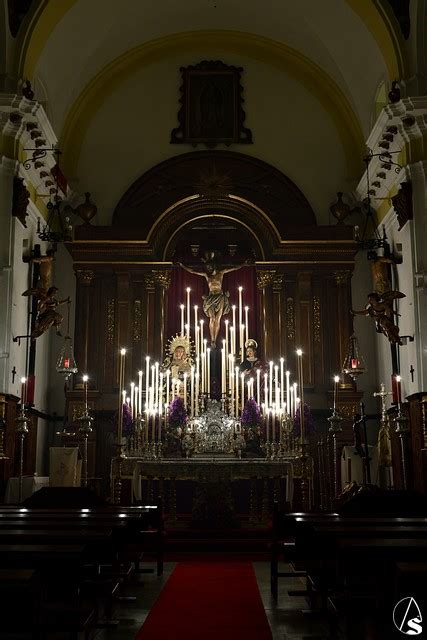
{"points": [[267, 481]]}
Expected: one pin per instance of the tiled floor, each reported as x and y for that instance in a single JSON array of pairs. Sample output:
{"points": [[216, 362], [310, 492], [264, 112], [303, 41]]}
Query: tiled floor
{"points": [[287, 620]]}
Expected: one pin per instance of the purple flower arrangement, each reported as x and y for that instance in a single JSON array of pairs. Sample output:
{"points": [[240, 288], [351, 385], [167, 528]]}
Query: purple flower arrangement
{"points": [[177, 413], [251, 416], [309, 424]]}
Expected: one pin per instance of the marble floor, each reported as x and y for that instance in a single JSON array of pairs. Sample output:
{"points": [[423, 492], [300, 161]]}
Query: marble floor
{"points": [[289, 619]]}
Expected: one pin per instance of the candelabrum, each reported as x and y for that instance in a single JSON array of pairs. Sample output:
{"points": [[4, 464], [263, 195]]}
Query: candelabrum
{"points": [[120, 456], [85, 429], [335, 421], [402, 430], [22, 430]]}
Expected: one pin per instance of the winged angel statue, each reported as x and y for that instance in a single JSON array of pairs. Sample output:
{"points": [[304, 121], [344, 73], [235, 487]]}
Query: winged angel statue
{"points": [[47, 316], [380, 307]]}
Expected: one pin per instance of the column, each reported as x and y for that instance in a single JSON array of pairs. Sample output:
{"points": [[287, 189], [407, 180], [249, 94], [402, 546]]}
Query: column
{"points": [[150, 288], [264, 282], [278, 341], [85, 279], [162, 280]]}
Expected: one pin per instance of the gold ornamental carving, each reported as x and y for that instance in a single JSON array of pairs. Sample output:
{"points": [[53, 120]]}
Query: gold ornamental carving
{"points": [[316, 319], [163, 278], [278, 282], [347, 411], [149, 282], [341, 277], [290, 319], [85, 276], [111, 317], [265, 278], [137, 320]]}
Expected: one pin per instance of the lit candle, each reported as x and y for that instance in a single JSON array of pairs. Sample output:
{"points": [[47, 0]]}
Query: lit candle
{"points": [[295, 386], [266, 390], [147, 379], [336, 380], [231, 392], [153, 386], [132, 398], [282, 380], [276, 381], [161, 379], [188, 312], [223, 375], [226, 341], [242, 380], [242, 342], [168, 373], [270, 382], [196, 326], [247, 323], [398, 387], [122, 367], [202, 322], [258, 385], [182, 319], [85, 380], [192, 392], [23, 391], [240, 306], [197, 336], [185, 389], [197, 393], [236, 380], [140, 392], [288, 394], [232, 341], [208, 370]]}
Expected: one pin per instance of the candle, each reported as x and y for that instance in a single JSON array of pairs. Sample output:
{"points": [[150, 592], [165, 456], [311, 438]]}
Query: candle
{"points": [[266, 390], [336, 380], [267, 418], [182, 319], [276, 382], [242, 380], [282, 380], [196, 326], [288, 394], [242, 342], [153, 426], [185, 389], [152, 387], [247, 323], [273, 421], [139, 391], [85, 380], [270, 382], [227, 350], [301, 386], [188, 312], [122, 367], [132, 398], [192, 392], [208, 369], [240, 306], [124, 394], [232, 341], [197, 393], [223, 375], [202, 322], [294, 398], [168, 373], [161, 378], [23, 391], [147, 379], [258, 385], [398, 381], [236, 380], [197, 336]]}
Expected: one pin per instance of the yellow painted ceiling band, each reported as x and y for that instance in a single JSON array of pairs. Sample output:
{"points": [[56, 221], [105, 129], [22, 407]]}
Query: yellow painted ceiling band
{"points": [[271, 52], [382, 24], [35, 31]]}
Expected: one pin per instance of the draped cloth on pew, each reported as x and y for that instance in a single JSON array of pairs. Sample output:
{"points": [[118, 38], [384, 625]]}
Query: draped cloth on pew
{"points": [[210, 600], [65, 467]]}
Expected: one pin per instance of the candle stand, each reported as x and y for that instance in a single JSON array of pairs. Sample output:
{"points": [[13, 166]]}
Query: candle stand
{"points": [[21, 430], [85, 429], [402, 430], [335, 421]]}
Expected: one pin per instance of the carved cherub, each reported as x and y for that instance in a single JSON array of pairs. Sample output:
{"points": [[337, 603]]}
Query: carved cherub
{"points": [[381, 309], [47, 316]]}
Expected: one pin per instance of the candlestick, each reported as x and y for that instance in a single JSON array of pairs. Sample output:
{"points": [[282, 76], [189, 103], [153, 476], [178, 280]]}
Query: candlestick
{"points": [[168, 373], [223, 375], [192, 392], [236, 380], [266, 390], [288, 394], [242, 342], [161, 380], [247, 324], [282, 380], [201, 335], [336, 380], [197, 377], [276, 386], [182, 318], [270, 382], [196, 327], [185, 390], [242, 380], [122, 367], [132, 398]]}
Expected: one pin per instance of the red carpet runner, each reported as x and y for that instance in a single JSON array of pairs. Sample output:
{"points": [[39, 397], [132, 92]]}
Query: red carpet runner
{"points": [[208, 600]]}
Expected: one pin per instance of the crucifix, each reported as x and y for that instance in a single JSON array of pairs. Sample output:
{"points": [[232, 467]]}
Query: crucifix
{"points": [[382, 393], [412, 371], [14, 372]]}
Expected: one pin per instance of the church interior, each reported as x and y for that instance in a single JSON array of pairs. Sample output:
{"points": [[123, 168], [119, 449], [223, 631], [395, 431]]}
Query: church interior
{"points": [[213, 329]]}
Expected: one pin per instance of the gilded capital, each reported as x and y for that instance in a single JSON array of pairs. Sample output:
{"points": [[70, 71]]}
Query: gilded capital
{"points": [[162, 277], [278, 281], [149, 281], [85, 276], [265, 278], [342, 277]]}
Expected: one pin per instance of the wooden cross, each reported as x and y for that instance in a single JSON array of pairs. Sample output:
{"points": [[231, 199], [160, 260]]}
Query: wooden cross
{"points": [[14, 372], [382, 393], [412, 371]]}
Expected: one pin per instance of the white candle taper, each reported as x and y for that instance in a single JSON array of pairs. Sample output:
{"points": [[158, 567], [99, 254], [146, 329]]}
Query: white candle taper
{"points": [[140, 392], [208, 369], [258, 386], [147, 379], [236, 381], [398, 387], [182, 318], [336, 380], [270, 382], [288, 394], [247, 324], [188, 312], [132, 398], [185, 389]]}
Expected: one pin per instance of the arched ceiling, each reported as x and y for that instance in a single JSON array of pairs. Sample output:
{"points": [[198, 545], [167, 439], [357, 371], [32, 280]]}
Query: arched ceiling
{"points": [[73, 40]]}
